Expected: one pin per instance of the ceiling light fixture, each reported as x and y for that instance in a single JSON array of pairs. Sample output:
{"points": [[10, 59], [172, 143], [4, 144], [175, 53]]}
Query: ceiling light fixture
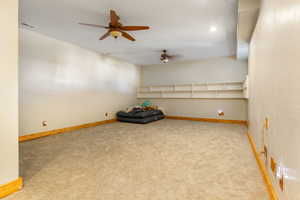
{"points": [[116, 29], [115, 34], [165, 60]]}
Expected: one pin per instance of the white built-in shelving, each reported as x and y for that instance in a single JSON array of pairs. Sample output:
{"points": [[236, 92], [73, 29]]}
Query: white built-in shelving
{"points": [[245, 88], [230, 90]]}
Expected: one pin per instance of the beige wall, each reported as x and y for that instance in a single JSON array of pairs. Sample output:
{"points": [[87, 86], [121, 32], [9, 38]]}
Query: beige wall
{"points": [[221, 69], [9, 91], [66, 85], [224, 69], [248, 11], [275, 90], [234, 109]]}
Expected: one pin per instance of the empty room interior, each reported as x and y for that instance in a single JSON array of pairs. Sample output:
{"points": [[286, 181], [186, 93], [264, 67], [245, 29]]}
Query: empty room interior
{"points": [[150, 100]]}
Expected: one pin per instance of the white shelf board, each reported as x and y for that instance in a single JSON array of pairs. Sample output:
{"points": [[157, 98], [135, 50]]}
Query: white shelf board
{"points": [[190, 98], [176, 91], [227, 90], [216, 90]]}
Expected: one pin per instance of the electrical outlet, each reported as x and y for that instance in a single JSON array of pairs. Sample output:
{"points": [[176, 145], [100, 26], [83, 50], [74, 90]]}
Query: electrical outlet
{"points": [[221, 113], [44, 123]]}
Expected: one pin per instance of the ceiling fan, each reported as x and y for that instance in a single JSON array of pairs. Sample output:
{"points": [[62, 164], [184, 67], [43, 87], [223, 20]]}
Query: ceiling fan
{"points": [[116, 29], [165, 57]]}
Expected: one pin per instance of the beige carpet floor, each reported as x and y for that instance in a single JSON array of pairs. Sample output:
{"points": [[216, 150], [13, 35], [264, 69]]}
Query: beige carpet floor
{"points": [[165, 160]]}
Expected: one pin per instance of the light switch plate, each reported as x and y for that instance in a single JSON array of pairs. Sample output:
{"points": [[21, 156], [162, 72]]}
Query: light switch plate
{"points": [[266, 123]]}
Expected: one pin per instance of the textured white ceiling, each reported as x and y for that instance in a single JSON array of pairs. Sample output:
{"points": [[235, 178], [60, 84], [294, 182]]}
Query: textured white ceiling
{"points": [[193, 29], [248, 14]]}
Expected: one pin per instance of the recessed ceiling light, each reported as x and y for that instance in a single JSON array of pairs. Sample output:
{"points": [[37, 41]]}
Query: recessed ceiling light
{"points": [[213, 29]]}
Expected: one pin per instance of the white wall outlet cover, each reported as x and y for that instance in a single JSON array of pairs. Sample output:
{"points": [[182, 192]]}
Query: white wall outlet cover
{"points": [[44, 123]]}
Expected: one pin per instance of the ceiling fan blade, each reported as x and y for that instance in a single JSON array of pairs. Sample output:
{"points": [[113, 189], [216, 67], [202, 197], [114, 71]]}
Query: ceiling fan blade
{"points": [[105, 35], [134, 28], [93, 25], [173, 56], [113, 18], [127, 36]]}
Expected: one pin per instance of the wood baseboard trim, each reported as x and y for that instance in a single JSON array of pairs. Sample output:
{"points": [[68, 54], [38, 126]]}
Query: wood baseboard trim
{"points": [[63, 130], [263, 170], [11, 187], [226, 121]]}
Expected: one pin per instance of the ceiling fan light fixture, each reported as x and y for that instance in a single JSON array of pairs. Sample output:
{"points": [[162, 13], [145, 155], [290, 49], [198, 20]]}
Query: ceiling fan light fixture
{"points": [[115, 34], [116, 29], [165, 60]]}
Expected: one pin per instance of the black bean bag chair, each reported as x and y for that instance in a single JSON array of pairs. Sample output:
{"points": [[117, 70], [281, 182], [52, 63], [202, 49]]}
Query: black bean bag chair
{"points": [[140, 116]]}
